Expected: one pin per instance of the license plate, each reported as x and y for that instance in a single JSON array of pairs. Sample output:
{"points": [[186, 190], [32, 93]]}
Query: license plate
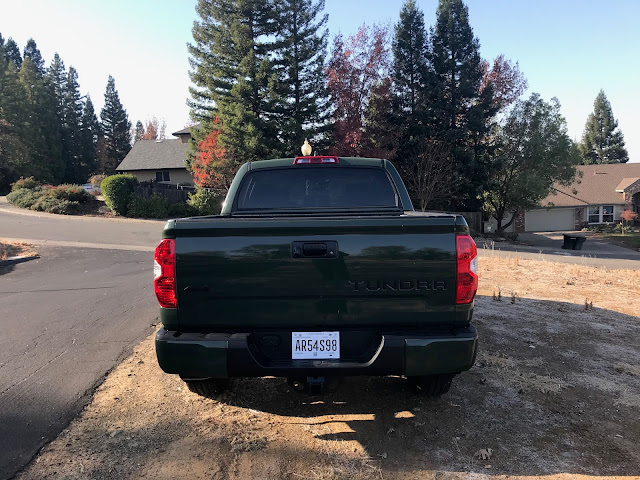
{"points": [[315, 345]]}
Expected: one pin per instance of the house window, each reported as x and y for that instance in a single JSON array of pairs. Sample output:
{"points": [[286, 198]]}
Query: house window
{"points": [[163, 176], [601, 214]]}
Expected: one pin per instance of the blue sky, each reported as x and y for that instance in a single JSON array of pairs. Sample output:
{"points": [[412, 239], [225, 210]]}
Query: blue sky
{"points": [[569, 49]]}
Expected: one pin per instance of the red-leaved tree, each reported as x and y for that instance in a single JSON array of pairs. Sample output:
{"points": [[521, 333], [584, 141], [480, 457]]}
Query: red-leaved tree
{"points": [[151, 132], [210, 167], [629, 216], [507, 80], [356, 65]]}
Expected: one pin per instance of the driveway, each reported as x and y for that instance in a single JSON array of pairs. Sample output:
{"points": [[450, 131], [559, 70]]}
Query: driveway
{"points": [[595, 245], [596, 251]]}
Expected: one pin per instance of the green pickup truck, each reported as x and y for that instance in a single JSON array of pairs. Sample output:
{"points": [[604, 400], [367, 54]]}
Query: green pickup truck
{"points": [[316, 269]]}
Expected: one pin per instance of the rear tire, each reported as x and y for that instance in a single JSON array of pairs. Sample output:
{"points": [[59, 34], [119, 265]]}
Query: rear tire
{"points": [[432, 386], [209, 387]]}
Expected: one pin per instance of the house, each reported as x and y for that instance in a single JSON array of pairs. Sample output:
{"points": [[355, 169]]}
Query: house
{"points": [[163, 161], [599, 195]]}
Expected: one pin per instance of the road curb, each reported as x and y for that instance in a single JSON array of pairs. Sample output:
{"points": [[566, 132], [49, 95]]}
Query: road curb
{"points": [[13, 210], [19, 259], [101, 246]]}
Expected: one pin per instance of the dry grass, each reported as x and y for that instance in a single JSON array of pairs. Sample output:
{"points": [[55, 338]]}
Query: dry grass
{"points": [[10, 249], [515, 277]]}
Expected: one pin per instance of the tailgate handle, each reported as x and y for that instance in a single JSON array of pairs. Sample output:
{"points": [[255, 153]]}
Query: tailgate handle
{"points": [[314, 249]]}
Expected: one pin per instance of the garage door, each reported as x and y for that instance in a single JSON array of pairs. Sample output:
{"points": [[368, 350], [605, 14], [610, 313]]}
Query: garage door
{"points": [[552, 220]]}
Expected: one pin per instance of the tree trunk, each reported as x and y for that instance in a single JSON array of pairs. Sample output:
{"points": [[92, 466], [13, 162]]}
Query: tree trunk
{"points": [[501, 228]]}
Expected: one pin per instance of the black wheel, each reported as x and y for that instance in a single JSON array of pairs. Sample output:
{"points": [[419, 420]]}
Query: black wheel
{"points": [[432, 385], [209, 387]]}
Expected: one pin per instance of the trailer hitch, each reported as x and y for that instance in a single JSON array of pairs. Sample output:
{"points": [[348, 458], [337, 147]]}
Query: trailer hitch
{"points": [[314, 386]]}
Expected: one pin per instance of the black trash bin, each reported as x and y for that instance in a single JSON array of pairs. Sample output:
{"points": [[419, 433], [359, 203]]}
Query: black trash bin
{"points": [[569, 242], [573, 242], [579, 241]]}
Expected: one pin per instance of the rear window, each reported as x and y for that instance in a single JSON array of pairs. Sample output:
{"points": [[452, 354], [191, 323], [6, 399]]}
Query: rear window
{"points": [[316, 187]]}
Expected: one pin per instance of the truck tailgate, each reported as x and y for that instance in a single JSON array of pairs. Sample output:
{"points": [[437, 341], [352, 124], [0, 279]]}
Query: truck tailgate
{"points": [[246, 272]]}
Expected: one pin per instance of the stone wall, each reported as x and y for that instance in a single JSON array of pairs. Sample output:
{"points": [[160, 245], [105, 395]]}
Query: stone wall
{"points": [[519, 222], [629, 193]]}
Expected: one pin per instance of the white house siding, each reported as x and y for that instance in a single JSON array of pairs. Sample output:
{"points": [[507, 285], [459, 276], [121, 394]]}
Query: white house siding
{"points": [[492, 223], [617, 210], [178, 175], [549, 220]]}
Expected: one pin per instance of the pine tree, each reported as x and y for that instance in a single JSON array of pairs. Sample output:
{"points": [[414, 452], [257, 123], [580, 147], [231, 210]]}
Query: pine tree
{"points": [[12, 53], [602, 141], [410, 65], [380, 135], [14, 156], [57, 74], [43, 136], [460, 113], [301, 49], [231, 71], [3, 60], [139, 132], [57, 78], [412, 78], [115, 128], [68, 109], [72, 113], [89, 134], [31, 51], [13, 153], [12, 98]]}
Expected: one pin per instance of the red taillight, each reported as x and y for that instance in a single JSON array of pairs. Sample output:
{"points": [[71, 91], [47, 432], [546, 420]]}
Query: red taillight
{"points": [[467, 276], [164, 273], [315, 160]]}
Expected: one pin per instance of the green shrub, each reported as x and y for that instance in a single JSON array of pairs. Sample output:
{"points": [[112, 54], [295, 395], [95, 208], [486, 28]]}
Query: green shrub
{"points": [[24, 197], [205, 202], [152, 207], [117, 191], [181, 210], [73, 193], [56, 205], [28, 183]]}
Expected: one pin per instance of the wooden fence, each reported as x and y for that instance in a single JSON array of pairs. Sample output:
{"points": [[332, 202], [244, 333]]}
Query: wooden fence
{"points": [[172, 193], [474, 220]]}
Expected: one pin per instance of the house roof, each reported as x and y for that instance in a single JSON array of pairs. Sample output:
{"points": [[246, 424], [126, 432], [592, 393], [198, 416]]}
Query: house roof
{"points": [[597, 186], [186, 130], [155, 154], [625, 183]]}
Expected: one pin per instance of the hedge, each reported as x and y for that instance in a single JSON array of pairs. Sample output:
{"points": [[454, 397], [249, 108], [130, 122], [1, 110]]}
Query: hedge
{"points": [[117, 191], [205, 202]]}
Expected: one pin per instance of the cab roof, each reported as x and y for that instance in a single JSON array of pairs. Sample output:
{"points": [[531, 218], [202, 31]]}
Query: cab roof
{"points": [[288, 162]]}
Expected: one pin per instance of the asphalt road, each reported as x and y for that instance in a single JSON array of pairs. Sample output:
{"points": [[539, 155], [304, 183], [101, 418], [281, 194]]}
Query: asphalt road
{"points": [[63, 230], [67, 319]]}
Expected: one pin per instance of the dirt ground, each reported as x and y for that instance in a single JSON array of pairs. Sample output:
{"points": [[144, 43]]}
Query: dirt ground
{"points": [[555, 393], [13, 249]]}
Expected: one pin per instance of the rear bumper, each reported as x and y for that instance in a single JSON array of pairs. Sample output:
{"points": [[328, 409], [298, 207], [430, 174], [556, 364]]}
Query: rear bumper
{"points": [[222, 355]]}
